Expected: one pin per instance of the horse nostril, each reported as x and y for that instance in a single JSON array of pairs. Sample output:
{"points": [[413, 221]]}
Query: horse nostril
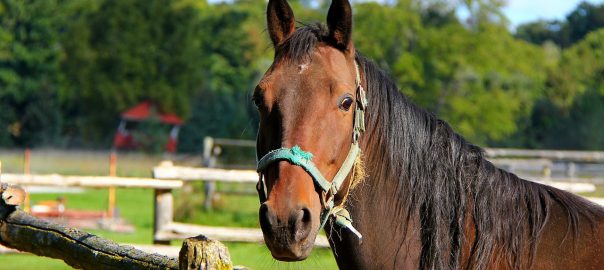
{"points": [[305, 215], [264, 216], [302, 223]]}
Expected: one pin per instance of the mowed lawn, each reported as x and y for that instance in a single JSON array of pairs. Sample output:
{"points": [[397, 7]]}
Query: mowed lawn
{"points": [[136, 206]]}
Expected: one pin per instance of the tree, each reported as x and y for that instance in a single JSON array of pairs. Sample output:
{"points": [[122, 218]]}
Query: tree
{"points": [[236, 53], [580, 69], [542, 31], [584, 19], [569, 115], [484, 12], [30, 55], [479, 81], [123, 52]]}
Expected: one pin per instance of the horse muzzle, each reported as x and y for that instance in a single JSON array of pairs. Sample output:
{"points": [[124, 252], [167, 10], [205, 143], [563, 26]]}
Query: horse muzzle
{"points": [[290, 237]]}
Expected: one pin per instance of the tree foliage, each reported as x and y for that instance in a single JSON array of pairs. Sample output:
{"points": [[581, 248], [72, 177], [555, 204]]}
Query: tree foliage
{"points": [[69, 67], [30, 74], [129, 51], [585, 18]]}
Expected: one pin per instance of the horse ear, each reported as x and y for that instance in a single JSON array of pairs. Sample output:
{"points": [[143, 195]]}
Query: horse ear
{"points": [[339, 22], [280, 20]]}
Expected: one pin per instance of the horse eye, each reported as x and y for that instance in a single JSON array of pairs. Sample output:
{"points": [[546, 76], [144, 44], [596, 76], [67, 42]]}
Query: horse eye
{"points": [[345, 104], [257, 101]]}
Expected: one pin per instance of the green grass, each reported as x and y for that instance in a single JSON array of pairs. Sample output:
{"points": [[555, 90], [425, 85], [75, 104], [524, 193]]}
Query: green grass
{"points": [[136, 206], [27, 262], [78, 162], [255, 256]]}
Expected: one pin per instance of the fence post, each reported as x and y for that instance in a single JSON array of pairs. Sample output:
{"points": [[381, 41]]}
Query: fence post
{"points": [[571, 171], [209, 161], [202, 253], [112, 172], [163, 212], [547, 172], [27, 171]]}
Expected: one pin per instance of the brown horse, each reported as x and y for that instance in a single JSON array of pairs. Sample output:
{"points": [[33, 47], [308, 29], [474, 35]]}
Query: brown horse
{"points": [[429, 199]]}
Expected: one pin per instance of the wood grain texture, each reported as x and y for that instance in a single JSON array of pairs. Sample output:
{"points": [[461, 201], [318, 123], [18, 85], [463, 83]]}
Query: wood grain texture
{"points": [[78, 249]]}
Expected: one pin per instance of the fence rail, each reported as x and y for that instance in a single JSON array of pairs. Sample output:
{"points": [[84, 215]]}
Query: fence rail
{"points": [[88, 181], [168, 171], [176, 231], [508, 158], [583, 156]]}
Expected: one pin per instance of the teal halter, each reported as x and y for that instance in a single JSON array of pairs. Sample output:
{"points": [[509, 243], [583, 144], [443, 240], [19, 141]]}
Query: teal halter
{"points": [[299, 157]]}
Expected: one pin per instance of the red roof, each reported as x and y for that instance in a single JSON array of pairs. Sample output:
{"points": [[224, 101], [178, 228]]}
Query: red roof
{"points": [[142, 111]]}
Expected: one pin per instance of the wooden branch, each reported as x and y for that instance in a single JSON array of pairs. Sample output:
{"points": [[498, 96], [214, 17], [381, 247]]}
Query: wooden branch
{"points": [[89, 181], [81, 250], [168, 251], [78, 249]]}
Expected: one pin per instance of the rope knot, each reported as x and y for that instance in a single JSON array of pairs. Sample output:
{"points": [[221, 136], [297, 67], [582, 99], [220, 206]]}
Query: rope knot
{"points": [[298, 152]]}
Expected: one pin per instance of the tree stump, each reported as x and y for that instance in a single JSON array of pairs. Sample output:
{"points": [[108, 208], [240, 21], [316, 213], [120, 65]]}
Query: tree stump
{"points": [[201, 253]]}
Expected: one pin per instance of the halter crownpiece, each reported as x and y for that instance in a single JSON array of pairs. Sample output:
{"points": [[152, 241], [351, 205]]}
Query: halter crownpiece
{"points": [[299, 157]]}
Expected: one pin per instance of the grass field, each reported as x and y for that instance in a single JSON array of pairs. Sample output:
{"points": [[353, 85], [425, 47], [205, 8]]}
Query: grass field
{"points": [[136, 205]]}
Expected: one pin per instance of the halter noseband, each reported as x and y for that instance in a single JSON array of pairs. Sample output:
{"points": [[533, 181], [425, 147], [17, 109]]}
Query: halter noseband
{"points": [[297, 156]]}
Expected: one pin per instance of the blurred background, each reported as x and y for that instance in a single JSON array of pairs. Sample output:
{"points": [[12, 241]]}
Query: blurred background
{"points": [[79, 78]]}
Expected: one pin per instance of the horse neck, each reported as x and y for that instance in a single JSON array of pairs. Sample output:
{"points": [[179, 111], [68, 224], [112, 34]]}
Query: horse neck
{"points": [[472, 213], [405, 149]]}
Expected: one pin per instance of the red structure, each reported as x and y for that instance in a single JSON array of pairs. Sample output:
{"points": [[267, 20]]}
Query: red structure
{"points": [[142, 112]]}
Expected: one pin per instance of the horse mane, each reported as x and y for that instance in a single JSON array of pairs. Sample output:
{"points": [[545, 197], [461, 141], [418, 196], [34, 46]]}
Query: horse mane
{"points": [[446, 181]]}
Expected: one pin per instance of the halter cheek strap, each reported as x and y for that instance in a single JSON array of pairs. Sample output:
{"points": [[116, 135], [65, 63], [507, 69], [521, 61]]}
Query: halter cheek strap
{"points": [[299, 157]]}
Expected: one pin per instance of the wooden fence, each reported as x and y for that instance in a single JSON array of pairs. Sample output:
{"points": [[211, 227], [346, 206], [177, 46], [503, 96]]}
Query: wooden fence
{"points": [[167, 229], [577, 156], [507, 158], [551, 165], [537, 165], [168, 177], [88, 181]]}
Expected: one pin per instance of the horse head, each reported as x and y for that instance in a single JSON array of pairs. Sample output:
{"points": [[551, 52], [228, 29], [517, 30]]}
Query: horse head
{"points": [[307, 141]]}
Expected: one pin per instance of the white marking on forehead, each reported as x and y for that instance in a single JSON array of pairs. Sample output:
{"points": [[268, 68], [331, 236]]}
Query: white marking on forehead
{"points": [[302, 68]]}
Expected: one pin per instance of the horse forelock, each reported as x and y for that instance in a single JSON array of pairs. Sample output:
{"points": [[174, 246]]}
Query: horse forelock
{"points": [[302, 42]]}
